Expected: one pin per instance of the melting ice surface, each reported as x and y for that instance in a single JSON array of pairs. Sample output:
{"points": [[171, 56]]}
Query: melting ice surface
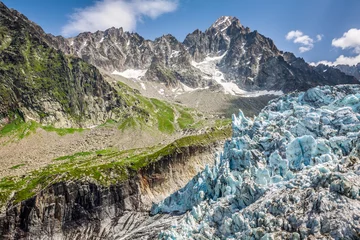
{"points": [[296, 143]]}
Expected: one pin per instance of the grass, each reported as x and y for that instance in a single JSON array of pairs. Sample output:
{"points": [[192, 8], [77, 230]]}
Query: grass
{"points": [[150, 112], [18, 129], [17, 166], [72, 157], [62, 131], [165, 116], [223, 122], [105, 167], [185, 120]]}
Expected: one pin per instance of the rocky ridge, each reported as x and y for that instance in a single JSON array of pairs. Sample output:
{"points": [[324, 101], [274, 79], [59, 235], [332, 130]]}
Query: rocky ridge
{"points": [[42, 84], [292, 172], [233, 58], [350, 70]]}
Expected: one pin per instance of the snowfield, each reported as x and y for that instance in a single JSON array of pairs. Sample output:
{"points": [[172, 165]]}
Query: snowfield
{"points": [[131, 73], [291, 173], [209, 67]]}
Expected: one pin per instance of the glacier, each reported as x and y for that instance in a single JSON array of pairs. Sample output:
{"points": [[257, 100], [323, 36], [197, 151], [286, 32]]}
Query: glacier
{"points": [[292, 172]]}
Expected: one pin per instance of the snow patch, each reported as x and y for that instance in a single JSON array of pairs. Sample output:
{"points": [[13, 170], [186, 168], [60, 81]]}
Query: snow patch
{"points": [[131, 73], [220, 22], [143, 86], [209, 67], [161, 91], [174, 54], [102, 39], [263, 93]]}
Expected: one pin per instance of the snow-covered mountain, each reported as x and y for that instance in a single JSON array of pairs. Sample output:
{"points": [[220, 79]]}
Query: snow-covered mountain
{"points": [[227, 54], [291, 173]]}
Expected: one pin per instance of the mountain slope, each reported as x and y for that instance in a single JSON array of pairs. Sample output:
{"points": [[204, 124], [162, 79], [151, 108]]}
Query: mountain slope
{"points": [[165, 59], [41, 83], [253, 62], [227, 55], [350, 70]]}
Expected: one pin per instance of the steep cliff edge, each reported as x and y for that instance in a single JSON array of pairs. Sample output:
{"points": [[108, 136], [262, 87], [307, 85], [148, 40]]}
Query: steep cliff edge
{"points": [[107, 195]]}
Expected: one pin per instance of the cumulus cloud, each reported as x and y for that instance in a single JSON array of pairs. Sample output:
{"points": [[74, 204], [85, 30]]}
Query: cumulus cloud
{"points": [[116, 13], [349, 40], [306, 42], [342, 60]]}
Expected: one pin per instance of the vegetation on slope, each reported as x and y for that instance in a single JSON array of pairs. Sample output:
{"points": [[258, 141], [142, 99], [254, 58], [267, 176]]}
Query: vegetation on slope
{"points": [[40, 81], [145, 113], [105, 167]]}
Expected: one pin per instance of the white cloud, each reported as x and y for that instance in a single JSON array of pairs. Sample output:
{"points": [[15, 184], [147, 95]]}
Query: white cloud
{"points": [[342, 60], [349, 40], [293, 34], [319, 37], [299, 37], [105, 14], [305, 49]]}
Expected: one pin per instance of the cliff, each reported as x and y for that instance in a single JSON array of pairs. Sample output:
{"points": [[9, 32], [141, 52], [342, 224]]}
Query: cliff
{"points": [[85, 208]]}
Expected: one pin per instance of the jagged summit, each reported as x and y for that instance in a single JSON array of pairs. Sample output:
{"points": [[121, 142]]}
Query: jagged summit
{"points": [[222, 23]]}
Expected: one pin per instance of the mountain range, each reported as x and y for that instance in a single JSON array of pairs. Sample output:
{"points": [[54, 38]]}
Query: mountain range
{"points": [[226, 54]]}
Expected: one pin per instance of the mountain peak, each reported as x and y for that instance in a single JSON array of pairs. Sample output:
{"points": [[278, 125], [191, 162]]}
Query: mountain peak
{"points": [[224, 22]]}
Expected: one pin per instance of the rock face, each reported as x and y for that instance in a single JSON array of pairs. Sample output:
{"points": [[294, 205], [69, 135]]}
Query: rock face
{"points": [[86, 210], [227, 54], [40, 83], [350, 70], [165, 59], [293, 172]]}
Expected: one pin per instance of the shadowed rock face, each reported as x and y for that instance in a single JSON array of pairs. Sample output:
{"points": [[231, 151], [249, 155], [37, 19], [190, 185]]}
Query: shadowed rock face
{"points": [[249, 59], [41, 83], [350, 70]]}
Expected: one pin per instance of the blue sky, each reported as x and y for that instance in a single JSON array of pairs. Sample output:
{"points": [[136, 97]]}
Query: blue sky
{"points": [[308, 21]]}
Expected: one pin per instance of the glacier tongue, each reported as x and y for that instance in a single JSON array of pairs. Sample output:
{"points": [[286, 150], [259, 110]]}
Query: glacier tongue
{"points": [[292, 172]]}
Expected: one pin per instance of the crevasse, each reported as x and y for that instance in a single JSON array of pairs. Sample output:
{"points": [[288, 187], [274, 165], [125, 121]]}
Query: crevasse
{"points": [[260, 182]]}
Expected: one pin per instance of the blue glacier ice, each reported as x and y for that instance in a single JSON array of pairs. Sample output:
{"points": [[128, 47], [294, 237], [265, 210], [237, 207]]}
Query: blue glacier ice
{"points": [[291, 172]]}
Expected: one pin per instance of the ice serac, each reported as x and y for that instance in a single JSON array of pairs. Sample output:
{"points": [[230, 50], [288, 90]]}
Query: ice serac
{"points": [[293, 172]]}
